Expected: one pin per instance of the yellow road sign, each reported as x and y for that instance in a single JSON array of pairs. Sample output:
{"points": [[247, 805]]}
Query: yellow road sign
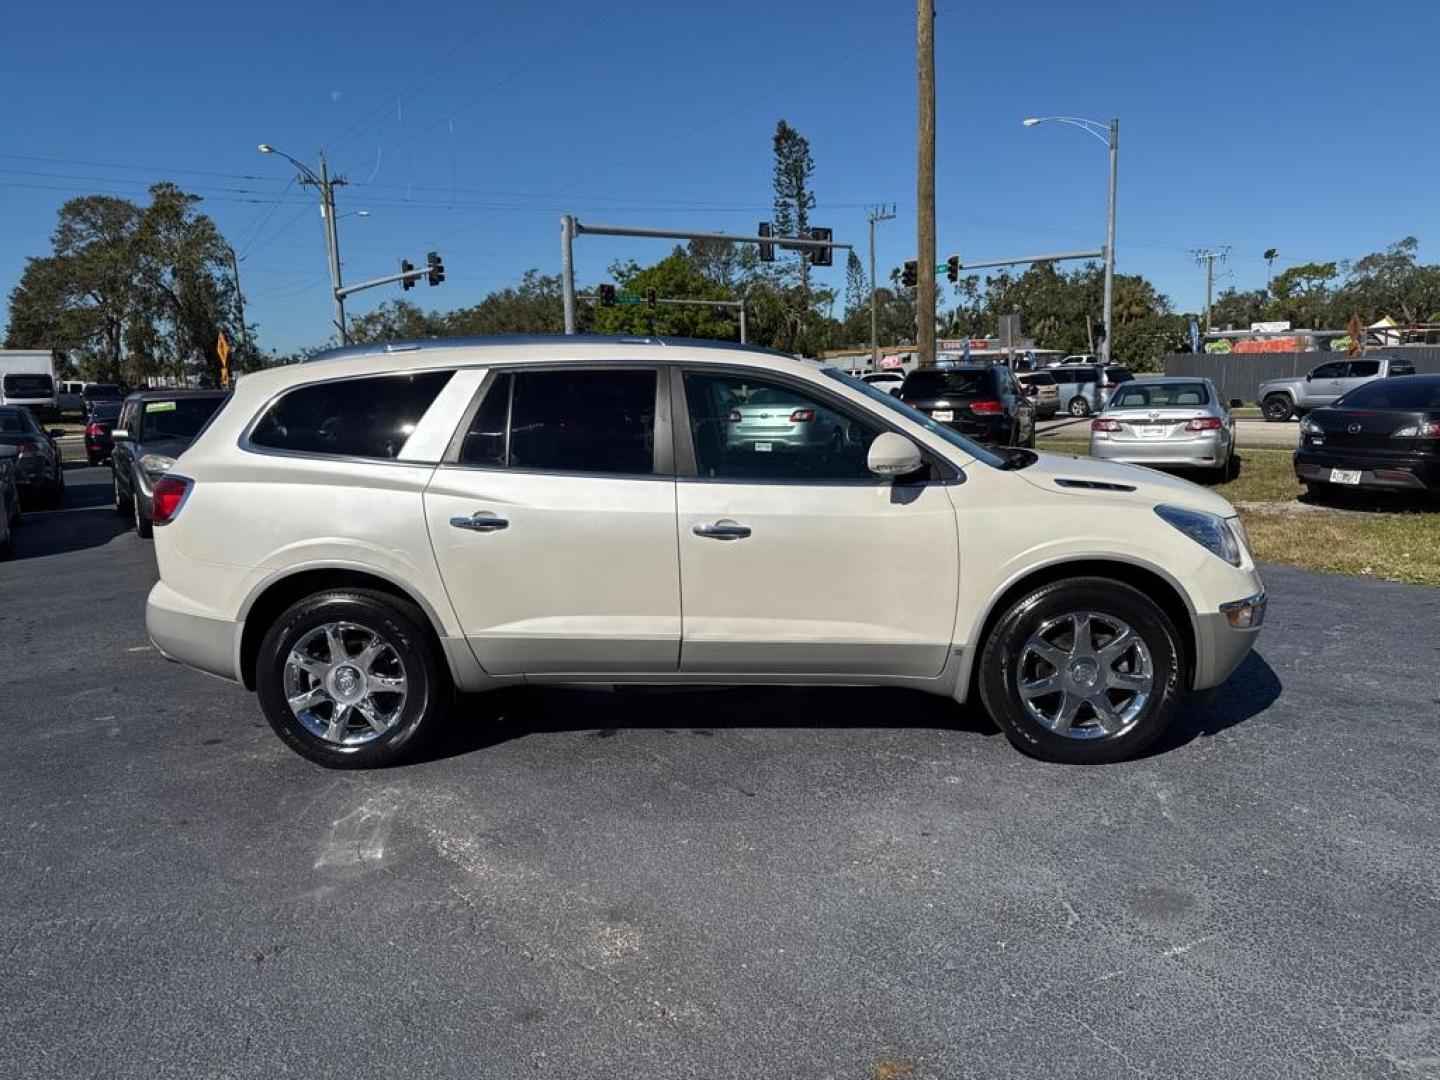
{"points": [[222, 347]]}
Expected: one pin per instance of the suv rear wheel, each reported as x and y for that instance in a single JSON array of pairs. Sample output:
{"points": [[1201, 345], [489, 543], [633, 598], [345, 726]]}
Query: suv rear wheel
{"points": [[349, 679], [1082, 671]]}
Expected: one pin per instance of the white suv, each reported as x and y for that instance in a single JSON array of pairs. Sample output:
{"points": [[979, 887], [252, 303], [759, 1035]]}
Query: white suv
{"points": [[357, 537]]}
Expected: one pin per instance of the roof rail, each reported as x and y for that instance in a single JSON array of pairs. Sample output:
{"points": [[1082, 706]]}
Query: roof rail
{"points": [[423, 344]]}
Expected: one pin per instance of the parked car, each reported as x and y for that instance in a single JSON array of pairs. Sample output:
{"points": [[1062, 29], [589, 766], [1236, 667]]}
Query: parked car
{"points": [[1073, 360], [1176, 422], [39, 470], [99, 422], [1280, 399], [70, 397], [9, 496], [889, 381], [982, 401], [1043, 390], [1085, 390], [1383, 435], [353, 537], [154, 428]]}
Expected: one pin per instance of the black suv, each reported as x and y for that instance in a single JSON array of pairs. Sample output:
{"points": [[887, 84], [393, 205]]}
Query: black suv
{"points": [[982, 401], [154, 428]]}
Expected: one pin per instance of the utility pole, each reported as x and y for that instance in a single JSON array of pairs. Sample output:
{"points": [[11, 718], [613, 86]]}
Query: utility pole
{"points": [[1110, 243], [247, 356], [567, 269], [925, 184], [1208, 258], [327, 185], [877, 213]]}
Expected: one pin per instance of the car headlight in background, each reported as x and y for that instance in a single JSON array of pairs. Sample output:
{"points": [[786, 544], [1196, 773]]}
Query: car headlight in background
{"points": [[1210, 531], [156, 464]]}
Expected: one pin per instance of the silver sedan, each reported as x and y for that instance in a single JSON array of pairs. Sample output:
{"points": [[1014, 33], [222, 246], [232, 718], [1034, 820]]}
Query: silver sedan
{"points": [[772, 420], [1173, 422]]}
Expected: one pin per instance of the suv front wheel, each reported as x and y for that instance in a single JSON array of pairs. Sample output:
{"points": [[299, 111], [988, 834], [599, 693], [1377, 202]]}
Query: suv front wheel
{"points": [[1083, 671], [348, 679]]}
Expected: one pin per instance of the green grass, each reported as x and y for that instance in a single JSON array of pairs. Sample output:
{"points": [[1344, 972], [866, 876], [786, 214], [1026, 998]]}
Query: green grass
{"points": [[1392, 539]]}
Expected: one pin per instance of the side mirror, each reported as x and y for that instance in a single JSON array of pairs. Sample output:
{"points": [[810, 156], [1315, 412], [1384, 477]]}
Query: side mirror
{"points": [[1236, 403], [56, 433], [119, 433], [1309, 375], [893, 455]]}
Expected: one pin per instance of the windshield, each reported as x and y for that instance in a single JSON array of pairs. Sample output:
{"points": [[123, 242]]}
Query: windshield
{"points": [[1417, 393], [29, 385], [102, 390], [971, 383], [1160, 395], [891, 402], [181, 418]]}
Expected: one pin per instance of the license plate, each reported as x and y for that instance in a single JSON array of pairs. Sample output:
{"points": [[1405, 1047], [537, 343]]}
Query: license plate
{"points": [[943, 415], [762, 447], [1345, 476], [1151, 431]]}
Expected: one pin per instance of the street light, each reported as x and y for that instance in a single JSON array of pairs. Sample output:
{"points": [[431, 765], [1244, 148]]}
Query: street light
{"points": [[1112, 139], [326, 185]]}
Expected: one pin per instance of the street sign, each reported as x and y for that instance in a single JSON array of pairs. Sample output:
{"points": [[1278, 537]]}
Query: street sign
{"points": [[222, 349]]}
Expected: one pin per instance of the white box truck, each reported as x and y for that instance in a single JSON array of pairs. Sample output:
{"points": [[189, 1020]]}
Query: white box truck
{"points": [[27, 377]]}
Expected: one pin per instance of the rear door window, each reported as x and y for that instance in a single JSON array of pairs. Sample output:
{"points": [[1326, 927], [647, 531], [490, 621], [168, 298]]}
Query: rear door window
{"points": [[566, 421], [368, 417], [1364, 369]]}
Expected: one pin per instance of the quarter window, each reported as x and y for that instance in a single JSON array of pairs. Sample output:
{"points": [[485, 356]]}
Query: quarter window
{"points": [[370, 418], [566, 421], [749, 429]]}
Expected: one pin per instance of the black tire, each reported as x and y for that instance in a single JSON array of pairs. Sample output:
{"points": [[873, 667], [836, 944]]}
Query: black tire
{"points": [[1005, 651], [144, 529], [1277, 407], [401, 626], [1231, 469], [123, 502], [1079, 407]]}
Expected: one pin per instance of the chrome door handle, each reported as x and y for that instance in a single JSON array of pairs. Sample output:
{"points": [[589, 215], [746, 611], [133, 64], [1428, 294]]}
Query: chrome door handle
{"points": [[480, 522], [722, 530]]}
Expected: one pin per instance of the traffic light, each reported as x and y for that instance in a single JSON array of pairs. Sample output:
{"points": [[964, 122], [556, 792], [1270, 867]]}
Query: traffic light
{"points": [[911, 275], [651, 297], [822, 256], [952, 268], [405, 267], [767, 251], [437, 268], [607, 295]]}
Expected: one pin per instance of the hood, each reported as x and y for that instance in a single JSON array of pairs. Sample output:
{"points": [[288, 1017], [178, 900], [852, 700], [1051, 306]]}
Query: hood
{"points": [[1083, 477], [1285, 380]]}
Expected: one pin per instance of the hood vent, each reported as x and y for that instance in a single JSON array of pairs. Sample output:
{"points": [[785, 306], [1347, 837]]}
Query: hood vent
{"points": [[1093, 485]]}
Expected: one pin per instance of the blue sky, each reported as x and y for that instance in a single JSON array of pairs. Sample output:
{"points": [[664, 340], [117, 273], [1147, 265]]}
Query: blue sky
{"points": [[471, 127]]}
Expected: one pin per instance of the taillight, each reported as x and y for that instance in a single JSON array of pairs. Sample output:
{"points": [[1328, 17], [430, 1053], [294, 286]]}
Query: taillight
{"points": [[802, 416], [170, 494], [29, 449], [987, 407], [1203, 423], [1105, 425], [93, 429], [1429, 429]]}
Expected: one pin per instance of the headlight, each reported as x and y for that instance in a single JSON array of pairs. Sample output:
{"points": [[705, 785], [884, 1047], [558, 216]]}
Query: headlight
{"points": [[156, 464], [1309, 427], [1210, 531]]}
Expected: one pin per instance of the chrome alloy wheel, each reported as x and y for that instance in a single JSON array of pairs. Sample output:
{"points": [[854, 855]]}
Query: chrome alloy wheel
{"points": [[1085, 675], [345, 683]]}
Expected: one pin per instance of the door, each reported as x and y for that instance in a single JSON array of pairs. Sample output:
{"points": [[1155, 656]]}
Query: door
{"points": [[794, 558], [553, 524], [1324, 384]]}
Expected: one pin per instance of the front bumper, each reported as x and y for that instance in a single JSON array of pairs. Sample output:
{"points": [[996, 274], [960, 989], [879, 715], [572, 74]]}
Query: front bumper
{"points": [[198, 641], [1223, 638], [1394, 472]]}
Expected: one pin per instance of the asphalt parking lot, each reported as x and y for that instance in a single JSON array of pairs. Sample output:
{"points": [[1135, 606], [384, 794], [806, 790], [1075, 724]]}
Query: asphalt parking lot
{"points": [[796, 883]]}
